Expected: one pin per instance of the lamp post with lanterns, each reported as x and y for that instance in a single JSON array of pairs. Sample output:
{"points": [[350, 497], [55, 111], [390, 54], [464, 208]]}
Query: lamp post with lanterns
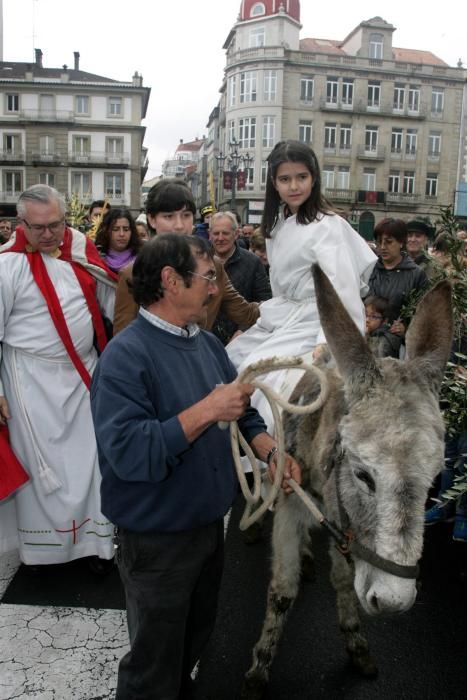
{"points": [[236, 162]]}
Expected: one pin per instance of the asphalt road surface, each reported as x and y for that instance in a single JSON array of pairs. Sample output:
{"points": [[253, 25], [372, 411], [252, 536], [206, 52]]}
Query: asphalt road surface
{"points": [[421, 654]]}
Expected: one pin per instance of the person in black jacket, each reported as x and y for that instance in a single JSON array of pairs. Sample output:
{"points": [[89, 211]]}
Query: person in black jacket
{"points": [[245, 270], [395, 274], [382, 342]]}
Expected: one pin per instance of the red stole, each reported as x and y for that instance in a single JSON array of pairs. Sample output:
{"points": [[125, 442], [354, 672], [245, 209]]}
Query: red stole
{"points": [[87, 283], [12, 474]]}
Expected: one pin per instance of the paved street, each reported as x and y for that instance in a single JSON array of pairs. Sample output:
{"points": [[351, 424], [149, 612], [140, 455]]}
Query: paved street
{"points": [[71, 653]]}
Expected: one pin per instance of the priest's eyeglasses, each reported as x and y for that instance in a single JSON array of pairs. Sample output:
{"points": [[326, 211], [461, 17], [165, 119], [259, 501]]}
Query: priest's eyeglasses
{"points": [[53, 227], [211, 277]]}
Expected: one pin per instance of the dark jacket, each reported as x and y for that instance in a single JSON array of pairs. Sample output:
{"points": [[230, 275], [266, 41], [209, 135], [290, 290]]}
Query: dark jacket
{"points": [[383, 343], [395, 284], [249, 277]]}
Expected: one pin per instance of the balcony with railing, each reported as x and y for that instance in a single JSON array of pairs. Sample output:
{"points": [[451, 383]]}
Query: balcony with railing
{"points": [[365, 152], [93, 158], [12, 157], [9, 197], [49, 115], [47, 158], [383, 109], [404, 198], [339, 194]]}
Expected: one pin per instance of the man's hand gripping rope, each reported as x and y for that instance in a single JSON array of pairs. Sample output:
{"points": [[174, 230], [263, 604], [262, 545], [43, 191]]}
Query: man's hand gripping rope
{"points": [[237, 440]]}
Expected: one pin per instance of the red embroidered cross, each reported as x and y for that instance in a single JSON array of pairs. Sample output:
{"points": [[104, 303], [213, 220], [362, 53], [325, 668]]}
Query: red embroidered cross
{"points": [[75, 528]]}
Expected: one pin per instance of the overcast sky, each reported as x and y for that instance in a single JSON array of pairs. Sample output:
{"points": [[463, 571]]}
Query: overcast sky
{"points": [[177, 46]]}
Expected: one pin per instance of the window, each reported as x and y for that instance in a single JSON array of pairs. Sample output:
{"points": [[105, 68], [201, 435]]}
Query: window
{"points": [[396, 141], [249, 178], [81, 184], [306, 89], [375, 47], [431, 186], [269, 132], [113, 184], [231, 130], [114, 107], [257, 10], [343, 178], [371, 139], [330, 131], [409, 182], [12, 143], [257, 37], [394, 184], [374, 93], [328, 177], [347, 92], [12, 182], [399, 97], [345, 137], [114, 148], [411, 142], [247, 132], [434, 143], [81, 147], [331, 91], [232, 91], [248, 86], [270, 82], [82, 105], [305, 131], [47, 104], [47, 145], [47, 179], [369, 179], [12, 103], [414, 99], [437, 101]]}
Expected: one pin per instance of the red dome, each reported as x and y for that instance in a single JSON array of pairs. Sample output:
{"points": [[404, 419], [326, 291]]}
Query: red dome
{"points": [[254, 9]]}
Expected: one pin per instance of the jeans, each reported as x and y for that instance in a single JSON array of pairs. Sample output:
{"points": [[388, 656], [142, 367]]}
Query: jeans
{"points": [[171, 583]]}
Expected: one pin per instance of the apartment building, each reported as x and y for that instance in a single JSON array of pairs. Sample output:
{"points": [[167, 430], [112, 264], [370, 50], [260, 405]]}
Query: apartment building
{"points": [[73, 130], [385, 122]]}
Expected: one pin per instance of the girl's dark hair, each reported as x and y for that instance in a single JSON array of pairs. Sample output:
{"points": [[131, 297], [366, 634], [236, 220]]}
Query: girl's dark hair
{"points": [[380, 304], [173, 249], [293, 152], [396, 228], [104, 232]]}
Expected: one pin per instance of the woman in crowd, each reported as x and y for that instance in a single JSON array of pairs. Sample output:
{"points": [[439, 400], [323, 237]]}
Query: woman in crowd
{"points": [[395, 273], [117, 239]]}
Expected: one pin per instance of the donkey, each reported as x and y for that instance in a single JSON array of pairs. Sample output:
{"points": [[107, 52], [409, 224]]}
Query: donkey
{"points": [[368, 458]]}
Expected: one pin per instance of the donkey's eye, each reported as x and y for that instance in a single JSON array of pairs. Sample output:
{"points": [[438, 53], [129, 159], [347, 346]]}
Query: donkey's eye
{"points": [[366, 478]]}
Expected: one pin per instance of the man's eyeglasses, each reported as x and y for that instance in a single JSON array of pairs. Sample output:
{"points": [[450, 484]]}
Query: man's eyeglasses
{"points": [[53, 227], [374, 317], [212, 277]]}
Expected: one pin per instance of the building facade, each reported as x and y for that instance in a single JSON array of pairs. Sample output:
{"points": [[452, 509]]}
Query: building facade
{"points": [[73, 130], [384, 122]]}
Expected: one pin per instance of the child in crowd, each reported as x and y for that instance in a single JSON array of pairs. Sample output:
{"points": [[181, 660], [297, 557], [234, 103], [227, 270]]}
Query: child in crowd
{"points": [[382, 342]]}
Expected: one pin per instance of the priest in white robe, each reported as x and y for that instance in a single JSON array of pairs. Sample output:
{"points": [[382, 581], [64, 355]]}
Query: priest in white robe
{"points": [[53, 291]]}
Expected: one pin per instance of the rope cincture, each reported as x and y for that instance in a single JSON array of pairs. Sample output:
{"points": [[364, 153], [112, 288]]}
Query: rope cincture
{"points": [[346, 542]]}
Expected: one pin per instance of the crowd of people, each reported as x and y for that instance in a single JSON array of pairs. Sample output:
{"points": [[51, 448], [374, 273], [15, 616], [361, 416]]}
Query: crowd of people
{"points": [[125, 436]]}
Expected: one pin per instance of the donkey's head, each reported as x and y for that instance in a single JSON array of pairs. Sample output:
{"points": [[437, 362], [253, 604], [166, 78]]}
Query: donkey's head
{"points": [[392, 437]]}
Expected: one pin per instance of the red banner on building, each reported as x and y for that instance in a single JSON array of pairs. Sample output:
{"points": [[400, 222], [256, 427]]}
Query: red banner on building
{"points": [[227, 180], [241, 180]]}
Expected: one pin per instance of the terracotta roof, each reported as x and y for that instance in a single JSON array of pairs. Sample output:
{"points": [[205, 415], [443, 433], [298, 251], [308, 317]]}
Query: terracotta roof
{"points": [[190, 145], [415, 56], [321, 46], [333, 46]]}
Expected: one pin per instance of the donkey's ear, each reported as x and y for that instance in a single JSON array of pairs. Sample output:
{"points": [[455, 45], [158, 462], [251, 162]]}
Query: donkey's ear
{"points": [[354, 358], [430, 332]]}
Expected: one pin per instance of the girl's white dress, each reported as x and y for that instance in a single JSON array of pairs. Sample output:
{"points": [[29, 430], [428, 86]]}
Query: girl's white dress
{"points": [[289, 324]]}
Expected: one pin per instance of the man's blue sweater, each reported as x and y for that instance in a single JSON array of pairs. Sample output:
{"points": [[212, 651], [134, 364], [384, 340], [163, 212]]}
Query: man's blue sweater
{"points": [[153, 479]]}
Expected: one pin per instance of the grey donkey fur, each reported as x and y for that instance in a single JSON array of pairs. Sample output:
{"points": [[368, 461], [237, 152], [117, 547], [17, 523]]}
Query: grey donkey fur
{"points": [[382, 426]]}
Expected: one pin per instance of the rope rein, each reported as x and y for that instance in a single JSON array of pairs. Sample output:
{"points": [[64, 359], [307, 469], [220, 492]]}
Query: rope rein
{"points": [[252, 497]]}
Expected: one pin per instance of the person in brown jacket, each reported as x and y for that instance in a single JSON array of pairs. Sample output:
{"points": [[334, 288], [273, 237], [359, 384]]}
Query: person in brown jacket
{"points": [[170, 208]]}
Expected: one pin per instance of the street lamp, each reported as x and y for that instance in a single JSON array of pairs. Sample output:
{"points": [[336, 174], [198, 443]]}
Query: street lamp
{"points": [[235, 161]]}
